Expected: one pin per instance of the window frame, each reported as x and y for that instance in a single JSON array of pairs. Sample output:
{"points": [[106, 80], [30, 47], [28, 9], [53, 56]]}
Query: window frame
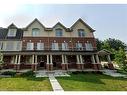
{"points": [[58, 32], [35, 33], [12, 32], [81, 33]]}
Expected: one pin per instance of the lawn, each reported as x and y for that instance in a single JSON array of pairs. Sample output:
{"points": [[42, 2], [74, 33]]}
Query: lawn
{"points": [[92, 82], [25, 84]]}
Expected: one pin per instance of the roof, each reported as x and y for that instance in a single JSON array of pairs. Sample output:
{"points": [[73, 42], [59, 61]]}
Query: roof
{"points": [[4, 32], [80, 20], [35, 21], [104, 52], [12, 26]]}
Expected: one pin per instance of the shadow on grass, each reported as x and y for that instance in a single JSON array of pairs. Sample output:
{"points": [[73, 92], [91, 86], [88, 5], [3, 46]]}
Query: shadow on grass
{"points": [[90, 77]]}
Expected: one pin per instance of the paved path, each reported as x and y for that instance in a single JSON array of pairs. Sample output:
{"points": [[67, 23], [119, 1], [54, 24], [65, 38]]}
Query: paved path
{"points": [[55, 84], [114, 73]]}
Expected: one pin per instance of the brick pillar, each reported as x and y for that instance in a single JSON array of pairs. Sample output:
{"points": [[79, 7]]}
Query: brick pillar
{"points": [[47, 64]]}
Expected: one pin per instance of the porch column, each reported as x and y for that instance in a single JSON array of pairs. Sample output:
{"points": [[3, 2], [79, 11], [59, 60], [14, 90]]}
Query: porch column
{"points": [[110, 65], [77, 57], [63, 62], [81, 61], [33, 65], [78, 62], [32, 59], [93, 59], [36, 59], [97, 58], [63, 59], [109, 59], [16, 59], [18, 65], [19, 59], [35, 62], [15, 63], [50, 59], [47, 64], [66, 66], [51, 64]]}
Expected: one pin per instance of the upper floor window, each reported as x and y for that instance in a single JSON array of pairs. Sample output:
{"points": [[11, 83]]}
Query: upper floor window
{"points": [[12, 45], [59, 32], [35, 32], [55, 46], [81, 33], [79, 46], [88, 46], [12, 32], [40, 46], [64, 46], [30, 46]]}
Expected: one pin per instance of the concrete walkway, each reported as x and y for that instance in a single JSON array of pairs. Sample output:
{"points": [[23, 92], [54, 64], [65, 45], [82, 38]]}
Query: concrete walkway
{"points": [[55, 84], [113, 73]]}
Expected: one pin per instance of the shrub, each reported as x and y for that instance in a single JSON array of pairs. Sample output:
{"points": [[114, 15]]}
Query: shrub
{"points": [[11, 73], [28, 74]]}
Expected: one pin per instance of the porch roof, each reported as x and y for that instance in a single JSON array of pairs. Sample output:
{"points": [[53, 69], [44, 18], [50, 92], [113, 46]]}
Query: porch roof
{"points": [[103, 52]]}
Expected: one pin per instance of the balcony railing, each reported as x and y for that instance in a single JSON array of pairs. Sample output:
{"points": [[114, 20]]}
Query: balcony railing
{"points": [[61, 49]]}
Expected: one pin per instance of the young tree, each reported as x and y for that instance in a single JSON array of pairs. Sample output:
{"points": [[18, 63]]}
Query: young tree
{"points": [[120, 57]]}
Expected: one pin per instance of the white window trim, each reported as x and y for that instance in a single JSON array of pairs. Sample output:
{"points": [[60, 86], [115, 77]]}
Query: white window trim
{"points": [[31, 46]]}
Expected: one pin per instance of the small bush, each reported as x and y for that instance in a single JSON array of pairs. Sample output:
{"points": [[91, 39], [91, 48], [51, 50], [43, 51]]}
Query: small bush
{"points": [[11, 73], [28, 74]]}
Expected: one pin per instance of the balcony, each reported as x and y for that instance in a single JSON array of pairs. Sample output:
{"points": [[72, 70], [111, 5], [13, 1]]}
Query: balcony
{"points": [[61, 49]]}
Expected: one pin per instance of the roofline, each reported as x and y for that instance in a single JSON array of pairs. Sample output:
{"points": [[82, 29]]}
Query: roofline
{"points": [[84, 24], [33, 22]]}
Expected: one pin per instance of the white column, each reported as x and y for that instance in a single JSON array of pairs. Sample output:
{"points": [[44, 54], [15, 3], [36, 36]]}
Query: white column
{"points": [[50, 59], [93, 59], [97, 58], [36, 59], [63, 59], [32, 59], [47, 59], [109, 59], [81, 59], [16, 59], [77, 57], [19, 59]]}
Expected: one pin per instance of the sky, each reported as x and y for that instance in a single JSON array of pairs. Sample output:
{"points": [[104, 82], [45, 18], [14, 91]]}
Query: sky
{"points": [[109, 20]]}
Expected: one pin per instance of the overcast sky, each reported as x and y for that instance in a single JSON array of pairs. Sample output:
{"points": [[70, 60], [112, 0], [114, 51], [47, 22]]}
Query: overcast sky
{"points": [[109, 21]]}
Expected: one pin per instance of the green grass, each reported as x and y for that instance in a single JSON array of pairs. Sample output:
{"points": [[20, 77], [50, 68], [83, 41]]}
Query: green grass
{"points": [[25, 84], [92, 82]]}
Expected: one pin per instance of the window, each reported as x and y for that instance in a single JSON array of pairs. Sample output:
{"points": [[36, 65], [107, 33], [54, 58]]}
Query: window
{"points": [[19, 45], [35, 32], [81, 33], [64, 46], [30, 46], [55, 46], [12, 46], [40, 46], [59, 32], [89, 46], [9, 46], [12, 32], [79, 46]]}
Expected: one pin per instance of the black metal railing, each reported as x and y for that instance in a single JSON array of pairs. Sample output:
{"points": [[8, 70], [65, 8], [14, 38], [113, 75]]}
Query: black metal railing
{"points": [[60, 49]]}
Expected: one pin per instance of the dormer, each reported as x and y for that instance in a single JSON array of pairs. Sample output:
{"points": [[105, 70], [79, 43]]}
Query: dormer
{"points": [[12, 29]]}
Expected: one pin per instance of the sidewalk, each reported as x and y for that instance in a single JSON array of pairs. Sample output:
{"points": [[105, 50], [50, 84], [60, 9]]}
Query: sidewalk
{"points": [[114, 73], [55, 84]]}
